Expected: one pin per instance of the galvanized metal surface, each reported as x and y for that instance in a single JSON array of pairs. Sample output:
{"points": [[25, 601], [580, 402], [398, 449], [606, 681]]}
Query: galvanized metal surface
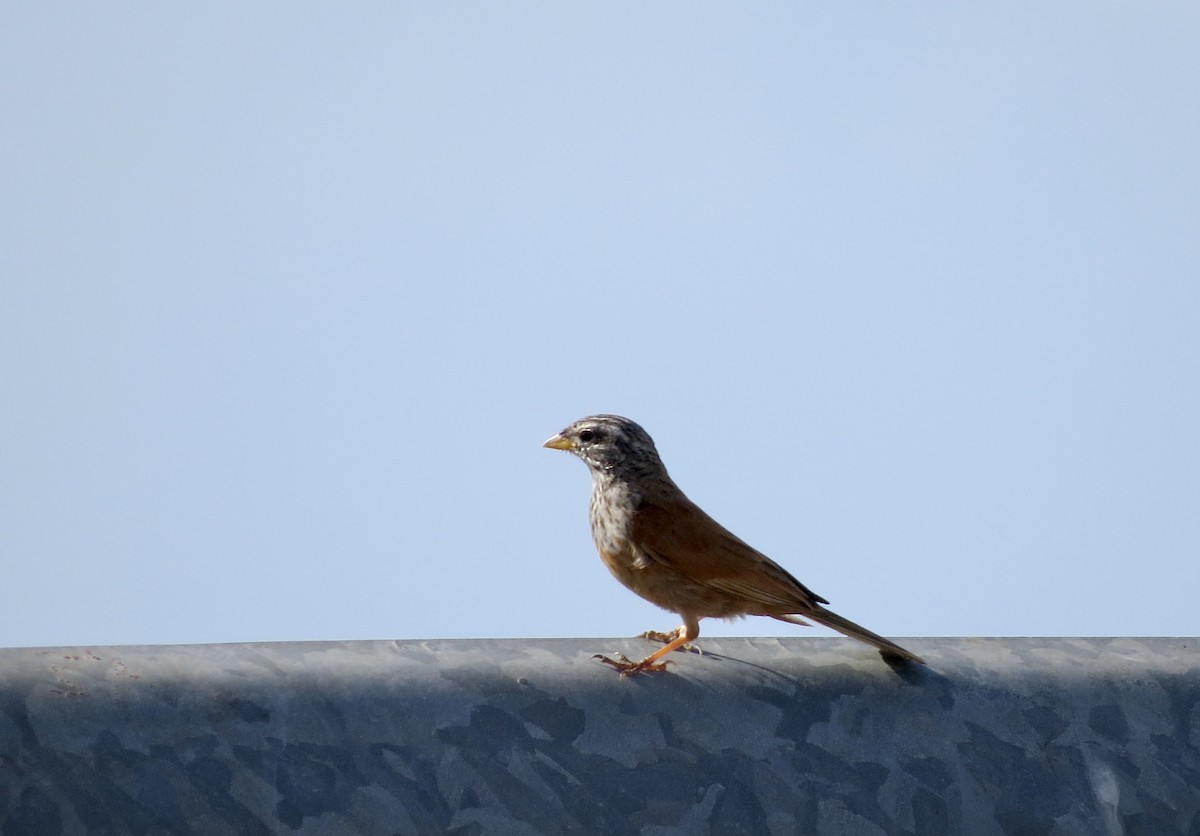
{"points": [[782, 736]]}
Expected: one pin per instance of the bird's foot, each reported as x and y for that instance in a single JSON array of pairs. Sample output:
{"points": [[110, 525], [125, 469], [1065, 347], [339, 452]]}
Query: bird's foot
{"points": [[667, 638], [627, 667]]}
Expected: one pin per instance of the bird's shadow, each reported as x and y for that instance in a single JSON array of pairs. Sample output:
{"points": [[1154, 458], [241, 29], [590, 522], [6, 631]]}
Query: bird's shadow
{"points": [[909, 672]]}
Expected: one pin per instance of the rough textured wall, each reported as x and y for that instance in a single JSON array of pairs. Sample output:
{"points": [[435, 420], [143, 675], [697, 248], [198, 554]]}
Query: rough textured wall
{"points": [[1064, 736]]}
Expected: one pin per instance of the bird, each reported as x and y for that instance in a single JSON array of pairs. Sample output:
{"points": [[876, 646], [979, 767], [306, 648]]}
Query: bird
{"points": [[664, 548]]}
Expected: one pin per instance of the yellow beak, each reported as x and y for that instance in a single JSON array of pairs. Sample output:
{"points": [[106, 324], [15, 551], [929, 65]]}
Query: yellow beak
{"points": [[558, 442]]}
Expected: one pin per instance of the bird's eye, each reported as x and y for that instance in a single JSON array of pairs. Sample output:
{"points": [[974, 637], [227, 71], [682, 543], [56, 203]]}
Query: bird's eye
{"points": [[586, 435]]}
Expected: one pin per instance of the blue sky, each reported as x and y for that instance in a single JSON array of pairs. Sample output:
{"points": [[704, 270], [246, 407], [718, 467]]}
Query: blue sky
{"points": [[908, 295]]}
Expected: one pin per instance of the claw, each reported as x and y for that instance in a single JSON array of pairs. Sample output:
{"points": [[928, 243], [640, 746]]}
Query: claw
{"points": [[658, 636], [627, 667]]}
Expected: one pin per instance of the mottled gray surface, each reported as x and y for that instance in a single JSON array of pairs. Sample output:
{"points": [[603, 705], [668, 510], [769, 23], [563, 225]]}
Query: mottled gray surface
{"points": [[1065, 736]]}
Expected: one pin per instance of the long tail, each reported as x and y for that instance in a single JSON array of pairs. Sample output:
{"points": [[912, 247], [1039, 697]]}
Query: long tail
{"points": [[855, 631]]}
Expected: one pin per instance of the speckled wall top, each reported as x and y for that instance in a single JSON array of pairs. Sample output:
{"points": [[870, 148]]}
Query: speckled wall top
{"points": [[782, 736]]}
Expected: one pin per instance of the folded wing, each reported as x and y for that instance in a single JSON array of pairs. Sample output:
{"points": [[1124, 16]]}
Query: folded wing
{"points": [[680, 536]]}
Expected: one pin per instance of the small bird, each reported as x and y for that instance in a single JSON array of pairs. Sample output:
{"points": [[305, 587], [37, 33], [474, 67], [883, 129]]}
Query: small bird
{"points": [[662, 546]]}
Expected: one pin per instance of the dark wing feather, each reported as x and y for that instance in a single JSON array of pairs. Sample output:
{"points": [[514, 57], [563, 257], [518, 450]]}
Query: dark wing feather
{"points": [[679, 535]]}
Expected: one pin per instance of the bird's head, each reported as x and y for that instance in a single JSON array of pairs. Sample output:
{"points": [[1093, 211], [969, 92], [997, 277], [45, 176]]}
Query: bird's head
{"points": [[609, 444]]}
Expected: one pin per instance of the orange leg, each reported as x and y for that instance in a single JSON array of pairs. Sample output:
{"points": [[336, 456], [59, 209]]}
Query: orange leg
{"points": [[627, 667]]}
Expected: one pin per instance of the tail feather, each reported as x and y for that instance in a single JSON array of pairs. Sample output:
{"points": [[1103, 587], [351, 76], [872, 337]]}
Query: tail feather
{"points": [[855, 631]]}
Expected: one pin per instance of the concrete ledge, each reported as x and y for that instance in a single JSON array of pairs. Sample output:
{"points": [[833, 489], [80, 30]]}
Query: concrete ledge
{"points": [[803, 735]]}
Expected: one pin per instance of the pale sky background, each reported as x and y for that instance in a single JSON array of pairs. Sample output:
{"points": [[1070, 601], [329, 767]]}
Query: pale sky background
{"points": [[907, 294]]}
